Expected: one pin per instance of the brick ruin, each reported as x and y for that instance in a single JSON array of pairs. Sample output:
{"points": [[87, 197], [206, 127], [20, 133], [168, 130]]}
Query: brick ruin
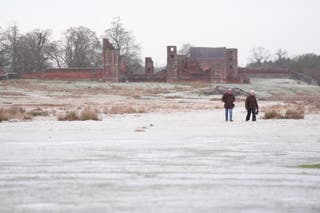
{"points": [[172, 64], [219, 65], [148, 66], [208, 64]]}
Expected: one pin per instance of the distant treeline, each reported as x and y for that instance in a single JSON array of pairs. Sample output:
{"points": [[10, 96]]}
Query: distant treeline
{"points": [[308, 64], [78, 47]]}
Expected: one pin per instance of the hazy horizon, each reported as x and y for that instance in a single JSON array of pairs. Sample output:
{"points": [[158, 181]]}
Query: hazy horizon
{"points": [[243, 24]]}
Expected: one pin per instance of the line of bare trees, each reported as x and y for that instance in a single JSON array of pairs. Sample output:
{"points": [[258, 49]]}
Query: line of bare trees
{"points": [[79, 47], [308, 64]]}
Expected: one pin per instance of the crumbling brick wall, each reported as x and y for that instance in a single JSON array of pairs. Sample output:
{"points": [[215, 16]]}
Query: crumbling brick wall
{"points": [[232, 63], [67, 74], [172, 64], [149, 69]]}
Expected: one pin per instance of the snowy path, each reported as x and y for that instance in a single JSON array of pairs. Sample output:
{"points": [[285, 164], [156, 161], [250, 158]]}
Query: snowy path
{"points": [[186, 162]]}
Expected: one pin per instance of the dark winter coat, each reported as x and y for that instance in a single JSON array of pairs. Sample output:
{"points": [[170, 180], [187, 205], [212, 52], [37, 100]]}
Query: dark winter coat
{"points": [[228, 99], [251, 102]]}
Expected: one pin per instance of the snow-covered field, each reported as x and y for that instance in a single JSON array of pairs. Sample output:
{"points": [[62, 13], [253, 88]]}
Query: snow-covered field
{"points": [[178, 156], [160, 162]]}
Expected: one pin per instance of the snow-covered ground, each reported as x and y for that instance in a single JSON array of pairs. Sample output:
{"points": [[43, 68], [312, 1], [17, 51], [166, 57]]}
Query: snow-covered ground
{"points": [[160, 162]]}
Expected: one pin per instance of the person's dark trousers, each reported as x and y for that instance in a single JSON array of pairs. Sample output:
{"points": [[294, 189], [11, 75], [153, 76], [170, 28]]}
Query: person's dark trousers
{"points": [[249, 112]]}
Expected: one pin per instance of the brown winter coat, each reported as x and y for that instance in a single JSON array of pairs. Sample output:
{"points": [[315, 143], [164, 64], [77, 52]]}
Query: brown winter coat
{"points": [[251, 102], [228, 99]]}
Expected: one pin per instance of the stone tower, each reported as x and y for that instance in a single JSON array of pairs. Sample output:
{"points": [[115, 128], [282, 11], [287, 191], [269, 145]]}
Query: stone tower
{"points": [[110, 61], [172, 64], [149, 69], [232, 63]]}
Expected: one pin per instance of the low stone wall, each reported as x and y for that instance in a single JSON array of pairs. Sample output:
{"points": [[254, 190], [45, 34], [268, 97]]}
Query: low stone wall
{"points": [[265, 73], [67, 74]]}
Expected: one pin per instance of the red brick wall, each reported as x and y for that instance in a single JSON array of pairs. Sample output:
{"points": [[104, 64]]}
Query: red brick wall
{"points": [[268, 73], [67, 74], [232, 63]]}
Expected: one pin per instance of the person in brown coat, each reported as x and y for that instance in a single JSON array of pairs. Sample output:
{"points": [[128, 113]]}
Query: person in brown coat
{"points": [[252, 106], [228, 99]]}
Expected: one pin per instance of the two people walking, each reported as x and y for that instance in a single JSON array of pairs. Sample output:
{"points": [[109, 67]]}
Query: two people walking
{"points": [[251, 105]]}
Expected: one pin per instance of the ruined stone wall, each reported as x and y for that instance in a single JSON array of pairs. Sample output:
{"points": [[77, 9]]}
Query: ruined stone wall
{"points": [[172, 64], [149, 69], [218, 72], [232, 63]]}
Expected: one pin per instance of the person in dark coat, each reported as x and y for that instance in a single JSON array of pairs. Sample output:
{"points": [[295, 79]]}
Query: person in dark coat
{"points": [[252, 106], [228, 99]]}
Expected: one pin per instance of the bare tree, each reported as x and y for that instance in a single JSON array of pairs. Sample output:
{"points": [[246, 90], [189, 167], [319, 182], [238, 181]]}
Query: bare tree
{"points": [[10, 46], [4, 57], [124, 41], [185, 49], [281, 54], [39, 45], [82, 48], [57, 53], [259, 55]]}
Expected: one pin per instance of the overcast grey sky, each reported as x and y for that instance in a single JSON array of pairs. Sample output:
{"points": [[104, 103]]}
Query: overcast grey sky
{"points": [[293, 25]]}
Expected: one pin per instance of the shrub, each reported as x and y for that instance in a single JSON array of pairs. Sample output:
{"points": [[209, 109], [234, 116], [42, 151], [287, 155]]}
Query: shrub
{"points": [[39, 112], [294, 114], [89, 114], [84, 115], [68, 116], [289, 114], [122, 109], [4, 116], [14, 113]]}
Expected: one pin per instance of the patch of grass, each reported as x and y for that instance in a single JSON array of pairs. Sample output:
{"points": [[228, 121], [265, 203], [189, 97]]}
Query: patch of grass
{"points": [[18, 113], [294, 114], [84, 115], [123, 109], [68, 116], [38, 112], [89, 114], [284, 112], [310, 166]]}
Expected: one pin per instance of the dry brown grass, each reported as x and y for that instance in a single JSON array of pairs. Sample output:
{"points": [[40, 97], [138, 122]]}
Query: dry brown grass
{"points": [[83, 115], [89, 114], [38, 112], [273, 114], [124, 109], [285, 112], [294, 114], [313, 105], [13, 113], [68, 116]]}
